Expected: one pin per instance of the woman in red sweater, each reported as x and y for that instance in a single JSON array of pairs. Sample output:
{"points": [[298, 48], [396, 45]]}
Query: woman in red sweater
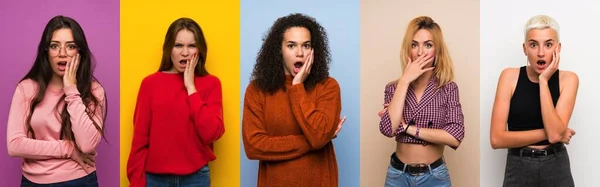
{"points": [[178, 114], [58, 110], [292, 107]]}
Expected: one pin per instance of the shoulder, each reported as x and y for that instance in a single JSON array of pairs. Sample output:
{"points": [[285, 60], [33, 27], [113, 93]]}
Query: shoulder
{"points": [[209, 80], [568, 77], [27, 87], [450, 86], [330, 82], [391, 85], [97, 88], [510, 73]]}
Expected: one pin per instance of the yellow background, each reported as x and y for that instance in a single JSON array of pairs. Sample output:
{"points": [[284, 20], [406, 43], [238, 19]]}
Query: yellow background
{"points": [[143, 28]]}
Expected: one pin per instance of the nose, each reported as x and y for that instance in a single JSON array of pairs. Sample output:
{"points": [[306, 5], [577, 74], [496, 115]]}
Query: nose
{"points": [[541, 52], [299, 52], [185, 52], [62, 52]]}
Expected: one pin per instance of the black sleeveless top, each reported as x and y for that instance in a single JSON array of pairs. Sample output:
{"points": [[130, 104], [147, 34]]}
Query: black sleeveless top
{"points": [[525, 111]]}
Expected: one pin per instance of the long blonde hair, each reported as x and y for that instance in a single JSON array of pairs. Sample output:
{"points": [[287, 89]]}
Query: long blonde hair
{"points": [[444, 69]]}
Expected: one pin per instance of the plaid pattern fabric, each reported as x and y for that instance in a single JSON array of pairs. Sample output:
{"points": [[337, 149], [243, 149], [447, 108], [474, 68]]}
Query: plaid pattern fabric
{"points": [[439, 108]]}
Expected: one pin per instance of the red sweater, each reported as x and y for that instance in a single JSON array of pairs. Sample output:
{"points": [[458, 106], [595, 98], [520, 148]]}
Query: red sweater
{"points": [[173, 132]]}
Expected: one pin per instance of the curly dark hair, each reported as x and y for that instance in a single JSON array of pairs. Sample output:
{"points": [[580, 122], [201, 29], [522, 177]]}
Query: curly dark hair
{"points": [[269, 72]]}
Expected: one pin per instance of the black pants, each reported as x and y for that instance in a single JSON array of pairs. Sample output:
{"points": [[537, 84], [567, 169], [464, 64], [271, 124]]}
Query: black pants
{"points": [[548, 171]]}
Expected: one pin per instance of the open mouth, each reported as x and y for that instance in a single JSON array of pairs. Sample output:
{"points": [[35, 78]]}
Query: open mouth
{"points": [[541, 62], [62, 65], [183, 62], [298, 66]]}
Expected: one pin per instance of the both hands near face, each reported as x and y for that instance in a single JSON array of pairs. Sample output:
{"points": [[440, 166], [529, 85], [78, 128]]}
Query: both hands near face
{"points": [[188, 74]]}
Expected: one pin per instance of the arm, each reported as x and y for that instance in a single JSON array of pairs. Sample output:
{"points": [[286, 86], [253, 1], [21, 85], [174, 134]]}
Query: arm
{"points": [[258, 143], [136, 165], [19, 145], [499, 136], [389, 125], [454, 130], [556, 120], [318, 120], [86, 134], [207, 112]]}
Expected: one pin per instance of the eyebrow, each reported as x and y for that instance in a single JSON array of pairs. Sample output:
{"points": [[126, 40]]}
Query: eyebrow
{"points": [[423, 42], [298, 42], [54, 41], [532, 40]]}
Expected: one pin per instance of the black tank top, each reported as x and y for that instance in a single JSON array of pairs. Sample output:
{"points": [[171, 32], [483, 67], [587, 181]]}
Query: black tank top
{"points": [[525, 112]]}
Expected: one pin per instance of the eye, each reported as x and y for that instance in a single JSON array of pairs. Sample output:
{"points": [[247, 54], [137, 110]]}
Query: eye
{"points": [[533, 45], [290, 46], [548, 45], [178, 45], [192, 46], [306, 46], [428, 45], [413, 45], [71, 47], [53, 46]]}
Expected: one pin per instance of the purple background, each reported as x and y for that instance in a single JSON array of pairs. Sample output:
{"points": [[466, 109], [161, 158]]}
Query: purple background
{"points": [[21, 25]]}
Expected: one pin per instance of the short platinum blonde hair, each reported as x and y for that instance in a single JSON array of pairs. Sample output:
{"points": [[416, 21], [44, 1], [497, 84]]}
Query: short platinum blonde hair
{"points": [[542, 22]]}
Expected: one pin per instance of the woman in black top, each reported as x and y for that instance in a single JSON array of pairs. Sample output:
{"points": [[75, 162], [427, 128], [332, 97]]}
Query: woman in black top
{"points": [[536, 101]]}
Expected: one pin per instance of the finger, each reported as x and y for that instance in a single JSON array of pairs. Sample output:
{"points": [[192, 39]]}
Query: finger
{"points": [[342, 120], [310, 61], [572, 132], [76, 64], [427, 59], [428, 69], [386, 105]]}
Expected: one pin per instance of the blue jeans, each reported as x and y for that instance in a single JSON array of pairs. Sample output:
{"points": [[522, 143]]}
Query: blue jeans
{"points": [[200, 178], [90, 180], [437, 177]]}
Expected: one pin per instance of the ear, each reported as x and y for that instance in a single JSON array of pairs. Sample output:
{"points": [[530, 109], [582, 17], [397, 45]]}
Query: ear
{"points": [[524, 50], [559, 47]]}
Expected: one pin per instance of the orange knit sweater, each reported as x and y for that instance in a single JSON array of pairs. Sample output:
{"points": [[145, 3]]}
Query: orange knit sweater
{"points": [[290, 133]]}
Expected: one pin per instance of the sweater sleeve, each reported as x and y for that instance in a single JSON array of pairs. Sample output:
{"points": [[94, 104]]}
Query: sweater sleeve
{"points": [[258, 144], [18, 143], [207, 110], [86, 134], [136, 165], [318, 120]]}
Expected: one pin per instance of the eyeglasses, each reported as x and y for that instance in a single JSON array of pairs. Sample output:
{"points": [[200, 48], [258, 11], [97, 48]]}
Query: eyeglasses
{"points": [[69, 49]]}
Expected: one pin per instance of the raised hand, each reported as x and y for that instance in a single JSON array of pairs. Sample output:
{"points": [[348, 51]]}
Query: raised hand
{"points": [[549, 71], [414, 68], [188, 74], [70, 76]]}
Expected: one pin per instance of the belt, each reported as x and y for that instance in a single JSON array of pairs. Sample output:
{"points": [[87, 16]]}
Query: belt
{"points": [[535, 153], [414, 168]]}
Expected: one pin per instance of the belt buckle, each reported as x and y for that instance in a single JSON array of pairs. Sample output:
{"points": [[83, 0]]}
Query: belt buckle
{"points": [[538, 153], [416, 169]]}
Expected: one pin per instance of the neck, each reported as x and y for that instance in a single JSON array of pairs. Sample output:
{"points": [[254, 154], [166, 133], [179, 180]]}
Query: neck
{"points": [[532, 75], [423, 80], [56, 81]]}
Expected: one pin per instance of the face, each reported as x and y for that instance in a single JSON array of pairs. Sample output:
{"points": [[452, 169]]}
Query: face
{"points": [[185, 46], [422, 44], [62, 49], [539, 46], [295, 48]]}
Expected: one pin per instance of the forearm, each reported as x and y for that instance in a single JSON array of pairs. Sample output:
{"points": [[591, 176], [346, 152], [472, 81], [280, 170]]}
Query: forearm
{"points": [[515, 139], [396, 106], [553, 125], [435, 136]]}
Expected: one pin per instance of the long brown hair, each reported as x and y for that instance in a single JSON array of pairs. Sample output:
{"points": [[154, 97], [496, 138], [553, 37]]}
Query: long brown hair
{"points": [[41, 73], [188, 24]]}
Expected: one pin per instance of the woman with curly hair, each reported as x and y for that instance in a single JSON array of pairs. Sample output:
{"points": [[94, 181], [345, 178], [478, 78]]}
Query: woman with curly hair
{"points": [[292, 106], [424, 113]]}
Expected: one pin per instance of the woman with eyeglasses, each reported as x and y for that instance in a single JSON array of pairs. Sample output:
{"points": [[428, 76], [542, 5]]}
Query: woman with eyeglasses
{"points": [[58, 110]]}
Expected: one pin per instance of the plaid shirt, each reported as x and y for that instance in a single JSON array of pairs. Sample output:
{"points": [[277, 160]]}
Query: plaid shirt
{"points": [[439, 108]]}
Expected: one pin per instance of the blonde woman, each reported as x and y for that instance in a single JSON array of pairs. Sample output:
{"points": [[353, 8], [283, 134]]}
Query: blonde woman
{"points": [[536, 102], [422, 109]]}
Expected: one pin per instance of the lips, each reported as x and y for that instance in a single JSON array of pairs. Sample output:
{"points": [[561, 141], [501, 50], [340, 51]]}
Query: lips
{"points": [[62, 65], [541, 64], [297, 66]]}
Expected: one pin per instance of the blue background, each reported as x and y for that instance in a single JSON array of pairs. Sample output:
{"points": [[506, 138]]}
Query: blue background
{"points": [[341, 21]]}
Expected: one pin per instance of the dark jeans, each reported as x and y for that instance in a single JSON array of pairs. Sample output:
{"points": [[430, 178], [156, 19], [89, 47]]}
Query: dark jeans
{"points": [[200, 178], [548, 171], [90, 180]]}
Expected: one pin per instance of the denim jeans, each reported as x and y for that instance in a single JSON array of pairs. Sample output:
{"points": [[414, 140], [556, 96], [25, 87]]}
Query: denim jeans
{"points": [[200, 178], [90, 180], [438, 177]]}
